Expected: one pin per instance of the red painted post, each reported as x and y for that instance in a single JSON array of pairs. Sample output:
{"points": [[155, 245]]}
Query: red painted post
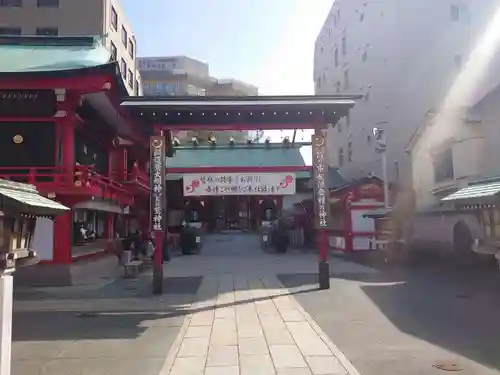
{"points": [[62, 239], [68, 146], [323, 245]]}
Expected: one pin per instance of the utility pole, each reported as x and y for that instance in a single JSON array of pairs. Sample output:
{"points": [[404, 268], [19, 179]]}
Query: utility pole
{"points": [[381, 148]]}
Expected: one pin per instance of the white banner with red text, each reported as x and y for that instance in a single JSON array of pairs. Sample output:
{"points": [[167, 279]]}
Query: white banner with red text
{"points": [[213, 184]]}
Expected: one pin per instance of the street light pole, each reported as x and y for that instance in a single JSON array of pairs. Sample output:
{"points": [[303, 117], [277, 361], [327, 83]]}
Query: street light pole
{"points": [[381, 148]]}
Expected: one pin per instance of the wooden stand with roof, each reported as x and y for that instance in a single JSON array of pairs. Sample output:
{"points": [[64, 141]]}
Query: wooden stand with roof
{"points": [[20, 206]]}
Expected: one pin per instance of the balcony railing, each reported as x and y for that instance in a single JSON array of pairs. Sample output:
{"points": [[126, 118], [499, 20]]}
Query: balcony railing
{"points": [[56, 180], [139, 178], [86, 177], [35, 175]]}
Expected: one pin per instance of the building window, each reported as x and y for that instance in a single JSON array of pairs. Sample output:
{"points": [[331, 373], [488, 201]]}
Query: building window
{"points": [[344, 45], [361, 17], [346, 80], [124, 36], [136, 88], [339, 126], [49, 31], [443, 165], [114, 18], [338, 86], [114, 52], [131, 48], [124, 69], [341, 157], [11, 3], [458, 61], [349, 151], [130, 78], [455, 13], [336, 56], [48, 3], [10, 30], [348, 120]]}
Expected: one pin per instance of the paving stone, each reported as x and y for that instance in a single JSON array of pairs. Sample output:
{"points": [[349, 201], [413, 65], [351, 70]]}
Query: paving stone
{"points": [[226, 370], [225, 324], [193, 347], [204, 318], [272, 322], [224, 337], [308, 341], [292, 316], [252, 345], [249, 331], [202, 332], [256, 365], [226, 312], [278, 337], [293, 371], [222, 355], [188, 366], [325, 365], [285, 356]]}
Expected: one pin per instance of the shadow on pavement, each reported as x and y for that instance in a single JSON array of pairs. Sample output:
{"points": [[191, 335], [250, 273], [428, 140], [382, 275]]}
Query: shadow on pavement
{"points": [[119, 323], [457, 310]]}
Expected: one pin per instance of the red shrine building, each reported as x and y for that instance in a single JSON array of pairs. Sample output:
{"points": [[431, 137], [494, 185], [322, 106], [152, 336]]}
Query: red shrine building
{"points": [[62, 129], [68, 127]]}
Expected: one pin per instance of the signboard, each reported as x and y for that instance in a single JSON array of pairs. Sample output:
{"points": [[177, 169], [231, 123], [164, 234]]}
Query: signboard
{"points": [[321, 192], [157, 183], [239, 184], [28, 103]]}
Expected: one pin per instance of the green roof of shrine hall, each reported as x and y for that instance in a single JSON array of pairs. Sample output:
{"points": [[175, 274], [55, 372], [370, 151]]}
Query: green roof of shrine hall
{"points": [[36, 54], [238, 155]]}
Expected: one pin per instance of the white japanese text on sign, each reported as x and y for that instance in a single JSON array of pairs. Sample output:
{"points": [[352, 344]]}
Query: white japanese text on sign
{"points": [[157, 183], [320, 181]]}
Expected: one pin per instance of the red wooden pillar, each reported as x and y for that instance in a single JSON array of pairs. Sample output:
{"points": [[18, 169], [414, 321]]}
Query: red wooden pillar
{"points": [[67, 126], [108, 226], [121, 163], [62, 238], [348, 235], [112, 153]]}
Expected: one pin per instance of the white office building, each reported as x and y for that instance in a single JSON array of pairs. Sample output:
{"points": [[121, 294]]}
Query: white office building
{"points": [[404, 56]]}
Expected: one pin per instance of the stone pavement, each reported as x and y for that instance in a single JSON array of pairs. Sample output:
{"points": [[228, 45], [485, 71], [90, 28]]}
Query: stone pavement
{"points": [[251, 326], [223, 312]]}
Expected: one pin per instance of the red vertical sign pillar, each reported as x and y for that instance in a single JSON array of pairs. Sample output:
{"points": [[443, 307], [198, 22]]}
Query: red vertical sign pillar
{"points": [[157, 212], [321, 206]]}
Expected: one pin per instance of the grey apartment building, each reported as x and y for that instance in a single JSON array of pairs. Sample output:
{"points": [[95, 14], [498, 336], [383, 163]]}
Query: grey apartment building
{"points": [[103, 18], [403, 56], [182, 75]]}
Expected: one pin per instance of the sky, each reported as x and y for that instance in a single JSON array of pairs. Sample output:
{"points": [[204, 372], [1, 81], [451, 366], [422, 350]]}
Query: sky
{"points": [[267, 43]]}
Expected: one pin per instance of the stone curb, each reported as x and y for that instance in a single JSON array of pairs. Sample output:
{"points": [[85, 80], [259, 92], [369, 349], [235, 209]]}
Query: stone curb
{"points": [[351, 370], [174, 349]]}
